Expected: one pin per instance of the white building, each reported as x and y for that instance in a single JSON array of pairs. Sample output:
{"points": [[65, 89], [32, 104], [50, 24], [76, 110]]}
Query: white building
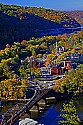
{"points": [[28, 121]]}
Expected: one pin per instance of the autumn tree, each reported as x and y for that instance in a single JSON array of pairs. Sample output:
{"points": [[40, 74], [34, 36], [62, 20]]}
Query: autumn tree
{"points": [[69, 114], [24, 42], [72, 82]]}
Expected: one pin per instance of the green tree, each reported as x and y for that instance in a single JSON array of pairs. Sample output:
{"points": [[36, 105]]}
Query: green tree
{"points": [[69, 114]]}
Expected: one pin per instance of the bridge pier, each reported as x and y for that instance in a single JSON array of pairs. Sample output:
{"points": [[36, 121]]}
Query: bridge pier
{"points": [[37, 107], [45, 101]]}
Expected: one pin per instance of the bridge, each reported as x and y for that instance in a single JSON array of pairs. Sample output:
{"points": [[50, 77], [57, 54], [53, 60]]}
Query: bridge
{"points": [[9, 117]]}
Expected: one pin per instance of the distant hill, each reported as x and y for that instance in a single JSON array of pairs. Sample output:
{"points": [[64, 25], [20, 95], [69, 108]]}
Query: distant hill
{"points": [[18, 22], [77, 15]]}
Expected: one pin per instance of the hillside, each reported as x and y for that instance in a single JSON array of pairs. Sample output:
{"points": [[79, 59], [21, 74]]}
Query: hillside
{"points": [[77, 15], [18, 23]]}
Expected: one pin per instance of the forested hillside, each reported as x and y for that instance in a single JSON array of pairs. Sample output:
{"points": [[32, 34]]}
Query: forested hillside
{"points": [[18, 23], [77, 15]]}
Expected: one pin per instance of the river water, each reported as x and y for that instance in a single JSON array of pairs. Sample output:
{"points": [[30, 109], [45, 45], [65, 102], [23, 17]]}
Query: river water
{"points": [[52, 115], [82, 25]]}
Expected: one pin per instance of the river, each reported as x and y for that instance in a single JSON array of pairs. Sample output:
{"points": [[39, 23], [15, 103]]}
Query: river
{"points": [[57, 31], [82, 25], [52, 115]]}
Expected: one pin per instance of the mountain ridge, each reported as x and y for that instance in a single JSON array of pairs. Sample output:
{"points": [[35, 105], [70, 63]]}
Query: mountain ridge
{"points": [[18, 22], [77, 15]]}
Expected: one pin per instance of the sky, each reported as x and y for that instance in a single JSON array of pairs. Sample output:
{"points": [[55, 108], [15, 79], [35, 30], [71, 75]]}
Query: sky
{"points": [[64, 5]]}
